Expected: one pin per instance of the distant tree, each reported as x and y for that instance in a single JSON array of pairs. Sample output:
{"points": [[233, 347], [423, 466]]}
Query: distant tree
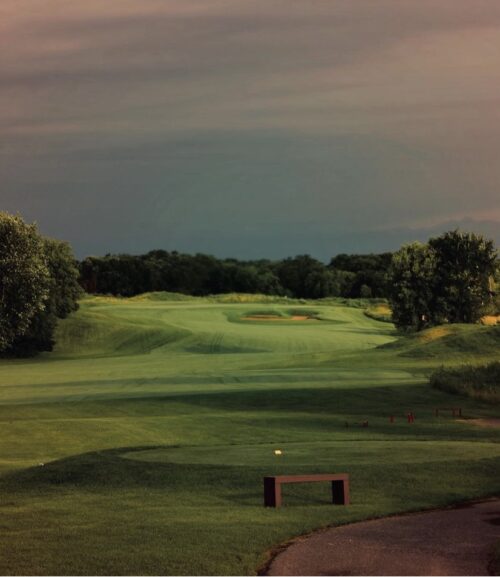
{"points": [[321, 283], [367, 271], [465, 263], [89, 269], [365, 291], [303, 276], [269, 283], [24, 277], [411, 286], [344, 282]]}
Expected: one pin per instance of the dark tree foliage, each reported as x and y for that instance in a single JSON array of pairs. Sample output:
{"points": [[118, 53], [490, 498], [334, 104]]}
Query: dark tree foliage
{"points": [[24, 277], [38, 285], [368, 274], [301, 276], [465, 263], [160, 270], [62, 299], [411, 292], [201, 274], [447, 280]]}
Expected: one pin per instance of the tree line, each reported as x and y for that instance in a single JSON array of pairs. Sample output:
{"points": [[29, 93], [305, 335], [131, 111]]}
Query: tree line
{"points": [[350, 276]]}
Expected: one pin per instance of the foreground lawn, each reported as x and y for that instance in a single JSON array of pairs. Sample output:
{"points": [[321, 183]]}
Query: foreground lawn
{"points": [[140, 444]]}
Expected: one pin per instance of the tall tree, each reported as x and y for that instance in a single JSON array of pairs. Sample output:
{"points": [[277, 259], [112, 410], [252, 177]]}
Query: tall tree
{"points": [[62, 299], [465, 263], [411, 282], [446, 280], [24, 277]]}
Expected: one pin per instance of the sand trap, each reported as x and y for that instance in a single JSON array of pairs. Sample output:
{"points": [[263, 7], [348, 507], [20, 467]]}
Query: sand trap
{"points": [[277, 318], [490, 320]]}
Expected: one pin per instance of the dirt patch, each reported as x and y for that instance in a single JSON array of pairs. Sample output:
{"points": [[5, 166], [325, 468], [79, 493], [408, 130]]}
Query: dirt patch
{"points": [[491, 423], [278, 318], [455, 541]]}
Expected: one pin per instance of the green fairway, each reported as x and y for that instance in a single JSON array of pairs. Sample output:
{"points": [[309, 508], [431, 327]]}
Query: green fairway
{"points": [[139, 445]]}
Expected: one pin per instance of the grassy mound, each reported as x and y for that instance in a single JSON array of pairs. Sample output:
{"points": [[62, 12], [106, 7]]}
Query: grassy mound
{"points": [[449, 341], [480, 382]]}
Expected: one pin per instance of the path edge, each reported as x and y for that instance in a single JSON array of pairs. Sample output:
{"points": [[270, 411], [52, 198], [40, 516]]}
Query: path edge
{"points": [[271, 554]]}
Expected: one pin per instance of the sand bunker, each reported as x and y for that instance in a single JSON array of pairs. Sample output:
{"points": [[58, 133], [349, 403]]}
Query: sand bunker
{"points": [[278, 318], [490, 320]]}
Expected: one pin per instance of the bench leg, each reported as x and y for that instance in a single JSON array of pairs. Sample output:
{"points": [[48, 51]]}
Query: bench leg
{"points": [[272, 492], [340, 492]]}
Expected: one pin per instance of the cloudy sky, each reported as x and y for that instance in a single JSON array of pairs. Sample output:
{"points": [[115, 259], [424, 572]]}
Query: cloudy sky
{"points": [[250, 128]]}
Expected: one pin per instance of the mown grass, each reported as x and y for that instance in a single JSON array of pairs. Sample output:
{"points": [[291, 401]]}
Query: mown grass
{"points": [[139, 445], [480, 382]]}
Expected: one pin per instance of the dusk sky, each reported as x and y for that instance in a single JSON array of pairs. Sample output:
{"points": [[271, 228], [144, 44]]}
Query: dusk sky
{"points": [[260, 128]]}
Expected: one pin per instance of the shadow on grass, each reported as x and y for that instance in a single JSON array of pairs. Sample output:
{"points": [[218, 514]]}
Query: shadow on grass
{"points": [[109, 468], [114, 470]]}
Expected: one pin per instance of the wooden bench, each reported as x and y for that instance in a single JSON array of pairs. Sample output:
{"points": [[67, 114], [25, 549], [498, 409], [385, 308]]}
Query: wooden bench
{"points": [[272, 487], [454, 411]]}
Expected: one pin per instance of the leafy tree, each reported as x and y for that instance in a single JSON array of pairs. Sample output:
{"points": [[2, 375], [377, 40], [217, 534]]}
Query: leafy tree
{"points": [[367, 273], [64, 290], [269, 283], [303, 276], [63, 294], [465, 263], [24, 277], [321, 283], [411, 282], [446, 280]]}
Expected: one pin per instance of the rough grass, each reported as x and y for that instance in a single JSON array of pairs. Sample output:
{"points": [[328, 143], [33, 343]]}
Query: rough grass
{"points": [[139, 445], [380, 312], [454, 343], [480, 382]]}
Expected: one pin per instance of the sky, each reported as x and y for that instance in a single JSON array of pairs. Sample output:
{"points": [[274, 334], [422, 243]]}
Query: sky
{"points": [[250, 128]]}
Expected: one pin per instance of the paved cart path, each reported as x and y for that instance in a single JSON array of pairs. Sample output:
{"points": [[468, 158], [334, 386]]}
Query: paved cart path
{"points": [[444, 542]]}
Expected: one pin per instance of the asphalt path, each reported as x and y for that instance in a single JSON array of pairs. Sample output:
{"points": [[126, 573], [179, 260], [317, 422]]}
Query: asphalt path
{"points": [[455, 541]]}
